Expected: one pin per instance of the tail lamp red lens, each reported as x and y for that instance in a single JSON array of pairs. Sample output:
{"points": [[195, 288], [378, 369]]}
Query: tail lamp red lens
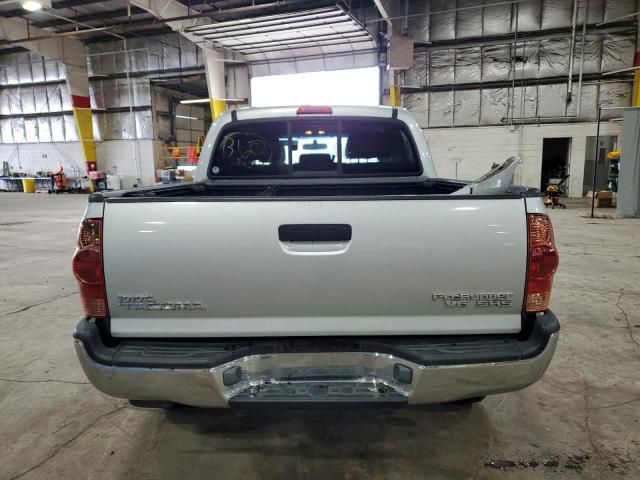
{"points": [[312, 110], [88, 268], [543, 263]]}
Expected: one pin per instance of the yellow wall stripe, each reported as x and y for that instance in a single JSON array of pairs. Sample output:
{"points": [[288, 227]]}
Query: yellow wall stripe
{"points": [[84, 127]]}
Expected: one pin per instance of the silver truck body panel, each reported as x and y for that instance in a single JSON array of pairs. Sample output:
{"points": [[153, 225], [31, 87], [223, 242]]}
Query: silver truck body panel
{"points": [[227, 256]]}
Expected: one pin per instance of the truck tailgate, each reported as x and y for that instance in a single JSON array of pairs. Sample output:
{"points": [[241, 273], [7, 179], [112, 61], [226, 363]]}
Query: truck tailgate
{"points": [[424, 266]]}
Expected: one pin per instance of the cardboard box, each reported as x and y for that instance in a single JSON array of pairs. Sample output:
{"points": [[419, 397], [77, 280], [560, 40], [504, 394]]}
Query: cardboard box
{"points": [[185, 173], [604, 199]]}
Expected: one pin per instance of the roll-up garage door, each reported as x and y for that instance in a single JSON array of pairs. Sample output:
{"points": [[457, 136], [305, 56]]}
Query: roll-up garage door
{"points": [[327, 38]]}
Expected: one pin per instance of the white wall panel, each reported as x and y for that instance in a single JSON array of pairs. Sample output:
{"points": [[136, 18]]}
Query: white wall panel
{"points": [[480, 147], [115, 156]]}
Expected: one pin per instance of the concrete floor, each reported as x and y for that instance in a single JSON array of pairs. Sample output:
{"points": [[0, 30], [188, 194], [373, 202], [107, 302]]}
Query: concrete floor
{"points": [[580, 421]]}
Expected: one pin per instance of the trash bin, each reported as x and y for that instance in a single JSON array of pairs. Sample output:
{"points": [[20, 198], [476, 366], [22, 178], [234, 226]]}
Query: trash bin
{"points": [[29, 185]]}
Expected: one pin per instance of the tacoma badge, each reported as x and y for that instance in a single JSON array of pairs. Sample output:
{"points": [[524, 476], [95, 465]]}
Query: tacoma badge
{"points": [[149, 302]]}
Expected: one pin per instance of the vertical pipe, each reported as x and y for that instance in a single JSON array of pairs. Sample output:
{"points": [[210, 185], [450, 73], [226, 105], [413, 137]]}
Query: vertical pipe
{"points": [[136, 158], [574, 18], [513, 66], [595, 163], [584, 36], [405, 20], [522, 99], [635, 96], [522, 84]]}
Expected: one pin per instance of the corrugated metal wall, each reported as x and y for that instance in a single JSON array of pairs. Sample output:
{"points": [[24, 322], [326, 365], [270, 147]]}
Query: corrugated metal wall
{"points": [[34, 94], [519, 51], [469, 69], [162, 52]]}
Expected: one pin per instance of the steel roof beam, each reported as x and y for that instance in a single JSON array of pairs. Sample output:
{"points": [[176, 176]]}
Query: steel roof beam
{"points": [[89, 17], [292, 29], [333, 43], [19, 12], [344, 35], [279, 26], [284, 17]]}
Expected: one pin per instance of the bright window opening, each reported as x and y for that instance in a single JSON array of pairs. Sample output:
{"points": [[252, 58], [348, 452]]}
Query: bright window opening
{"points": [[358, 86]]}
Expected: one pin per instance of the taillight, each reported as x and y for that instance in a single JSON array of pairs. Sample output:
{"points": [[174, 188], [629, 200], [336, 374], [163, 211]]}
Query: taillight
{"points": [[543, 263], [87, 268], [313, 110]]}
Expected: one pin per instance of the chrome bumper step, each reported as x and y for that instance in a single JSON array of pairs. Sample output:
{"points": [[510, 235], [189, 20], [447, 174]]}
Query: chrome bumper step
{"points": [[321, 393]]}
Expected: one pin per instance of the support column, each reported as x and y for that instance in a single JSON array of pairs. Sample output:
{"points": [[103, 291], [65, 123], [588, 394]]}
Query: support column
{"points": [[213, 58], [387, 11], [394, 89], [238, 83], [214, 68], [635, 96], [78, 86], [72, 55]]}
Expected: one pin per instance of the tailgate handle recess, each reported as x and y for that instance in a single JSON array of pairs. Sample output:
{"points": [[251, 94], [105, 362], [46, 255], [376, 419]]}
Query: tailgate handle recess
{"points": [[327, 232]]}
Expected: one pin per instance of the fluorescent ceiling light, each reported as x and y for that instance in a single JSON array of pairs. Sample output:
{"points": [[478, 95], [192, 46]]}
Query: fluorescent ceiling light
{"points": [[356, 86], [32, 5], [206, 100], [199, 100], [186, 117]]}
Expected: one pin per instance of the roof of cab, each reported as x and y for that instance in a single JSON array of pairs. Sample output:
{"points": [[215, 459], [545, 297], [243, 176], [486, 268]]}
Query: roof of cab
{"points": [[251, 113]]}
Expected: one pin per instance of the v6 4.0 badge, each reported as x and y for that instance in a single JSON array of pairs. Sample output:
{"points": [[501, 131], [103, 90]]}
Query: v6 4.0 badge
{"points": [[466, 299]]}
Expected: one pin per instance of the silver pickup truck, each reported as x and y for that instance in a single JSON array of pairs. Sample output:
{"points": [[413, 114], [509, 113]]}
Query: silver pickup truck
{"points": [[316, 258]]}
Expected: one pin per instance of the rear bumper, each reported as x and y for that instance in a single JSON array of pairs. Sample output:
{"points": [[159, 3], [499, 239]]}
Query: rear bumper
{"points": [[413, 370]]}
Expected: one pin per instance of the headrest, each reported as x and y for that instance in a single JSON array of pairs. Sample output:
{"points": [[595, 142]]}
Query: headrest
{"points": [[311, 162], [368, 145]]}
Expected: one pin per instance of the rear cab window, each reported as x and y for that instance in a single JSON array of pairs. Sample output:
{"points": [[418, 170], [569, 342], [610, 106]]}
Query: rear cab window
{"points": [[282, 148]]}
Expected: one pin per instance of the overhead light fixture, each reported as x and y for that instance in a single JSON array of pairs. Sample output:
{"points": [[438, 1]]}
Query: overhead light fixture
{"points": [[35, 5], [32, 5], [187, 117], [206, 100], [190, 102]]}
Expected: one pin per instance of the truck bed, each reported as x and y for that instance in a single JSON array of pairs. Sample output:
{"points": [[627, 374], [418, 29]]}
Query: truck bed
{"points": [[288, 189]]}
